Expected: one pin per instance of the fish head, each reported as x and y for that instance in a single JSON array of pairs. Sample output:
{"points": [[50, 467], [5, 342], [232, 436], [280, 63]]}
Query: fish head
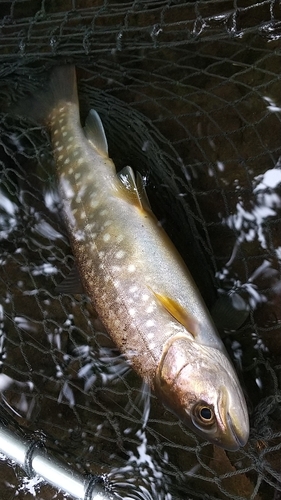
{"points": [[199, 384]]}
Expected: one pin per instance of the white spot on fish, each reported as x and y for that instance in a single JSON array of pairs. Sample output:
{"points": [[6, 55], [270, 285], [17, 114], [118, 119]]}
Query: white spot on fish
{"points": [[67, 188], [116, 269], [83, 215], [57, 143], [59, 148], [133, 289], [60, 157], [107, 223], [76, 152], [106, 237], [150, 323], [78, 199], [60, 120], [132, 311], [74, 211], [101, 254], [94, 203], [150, 336], [70, 139], [150, 309], [77, 176], [64, 134], [131, 268], [145, 297], [91, 226], [70, 171], [79, 235], [66, 161], [55, 131], [120, 254], [104, 212], [80, 161], [62, 109], [152, 345]]}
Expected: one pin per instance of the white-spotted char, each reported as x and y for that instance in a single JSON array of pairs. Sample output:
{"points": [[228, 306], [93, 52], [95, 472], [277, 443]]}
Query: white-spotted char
{"points": [[135, 278]]}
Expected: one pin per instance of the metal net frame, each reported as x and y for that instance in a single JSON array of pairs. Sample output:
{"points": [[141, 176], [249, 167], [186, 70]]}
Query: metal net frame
{"points": [[189, 94]]}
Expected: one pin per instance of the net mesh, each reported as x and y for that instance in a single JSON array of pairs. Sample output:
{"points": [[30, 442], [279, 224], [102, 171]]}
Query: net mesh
{"points": [[189, 93]]}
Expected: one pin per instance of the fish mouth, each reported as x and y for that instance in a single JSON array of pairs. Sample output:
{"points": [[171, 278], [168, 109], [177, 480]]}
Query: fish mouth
{"points": [[238, 439]]}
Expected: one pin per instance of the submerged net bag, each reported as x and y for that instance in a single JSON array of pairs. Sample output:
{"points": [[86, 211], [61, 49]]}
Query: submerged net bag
{"points": [[189, 94]]}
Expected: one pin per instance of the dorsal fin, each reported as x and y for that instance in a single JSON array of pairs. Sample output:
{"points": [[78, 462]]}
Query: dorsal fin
{"points": [[95, 133], [179, 313], [134, 188]]}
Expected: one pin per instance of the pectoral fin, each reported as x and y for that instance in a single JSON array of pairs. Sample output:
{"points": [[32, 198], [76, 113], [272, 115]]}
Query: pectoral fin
{"points": [[134, 188], [179, 313]]}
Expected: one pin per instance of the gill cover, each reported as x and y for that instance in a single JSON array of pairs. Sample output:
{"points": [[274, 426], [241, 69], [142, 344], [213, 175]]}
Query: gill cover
{"points": [[173, 390]]}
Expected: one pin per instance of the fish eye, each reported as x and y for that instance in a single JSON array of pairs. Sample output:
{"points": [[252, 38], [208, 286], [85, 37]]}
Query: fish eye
{"points": [[206, 414], [203, 415]]}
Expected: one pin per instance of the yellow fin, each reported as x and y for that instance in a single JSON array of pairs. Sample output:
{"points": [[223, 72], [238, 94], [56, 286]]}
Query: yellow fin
{"points": [[134, 188], [179, 313]]}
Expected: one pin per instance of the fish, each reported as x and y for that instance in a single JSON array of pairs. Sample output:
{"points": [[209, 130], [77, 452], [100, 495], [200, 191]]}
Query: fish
{"points": [[135, 278]]}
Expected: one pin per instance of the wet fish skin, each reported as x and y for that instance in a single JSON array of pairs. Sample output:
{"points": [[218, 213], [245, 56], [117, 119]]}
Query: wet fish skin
{"points": [[194, 378], [135, 278]]}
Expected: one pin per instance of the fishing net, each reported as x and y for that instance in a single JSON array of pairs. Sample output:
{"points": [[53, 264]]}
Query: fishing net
{"points": [[189, 94]]}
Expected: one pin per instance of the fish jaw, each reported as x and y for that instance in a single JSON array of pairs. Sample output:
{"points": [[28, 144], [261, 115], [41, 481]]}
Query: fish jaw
{"points": [[200, 386]]}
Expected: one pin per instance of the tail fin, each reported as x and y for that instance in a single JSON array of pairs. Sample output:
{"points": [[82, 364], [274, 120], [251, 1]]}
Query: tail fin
{"points": [[61, 87]]}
